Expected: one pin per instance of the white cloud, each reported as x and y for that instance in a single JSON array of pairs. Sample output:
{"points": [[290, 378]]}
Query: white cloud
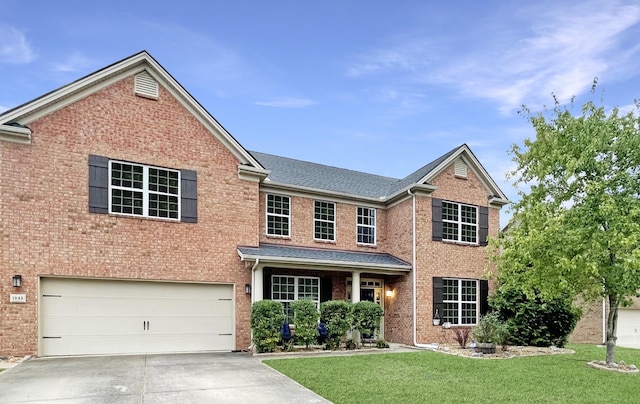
{"points": [[76, 62], [14, 47], [286, 102], [561, 51]]}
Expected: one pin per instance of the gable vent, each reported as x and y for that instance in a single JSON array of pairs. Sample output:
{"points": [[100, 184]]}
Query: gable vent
{"points": [[460, 168], [145, 85]]}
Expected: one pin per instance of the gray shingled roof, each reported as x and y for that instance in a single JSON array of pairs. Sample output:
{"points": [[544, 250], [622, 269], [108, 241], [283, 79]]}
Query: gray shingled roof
{"points": [[287, 171], [327, 256]]}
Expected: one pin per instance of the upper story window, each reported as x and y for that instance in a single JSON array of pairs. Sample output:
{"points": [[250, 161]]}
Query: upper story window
{"points": [[278, 215], [324, 221], [459, 222], [141, 190], [366, 218]]}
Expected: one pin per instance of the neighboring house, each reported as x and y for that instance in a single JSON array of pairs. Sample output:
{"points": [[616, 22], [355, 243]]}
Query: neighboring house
{"points": [[133, 222], [591, 327]]}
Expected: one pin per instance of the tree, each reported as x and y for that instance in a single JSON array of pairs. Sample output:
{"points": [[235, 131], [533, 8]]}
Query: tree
{"points": [[577, 230]]}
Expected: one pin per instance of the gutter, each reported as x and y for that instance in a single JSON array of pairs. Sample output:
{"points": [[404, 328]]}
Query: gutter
{"points": [[415, 288]]}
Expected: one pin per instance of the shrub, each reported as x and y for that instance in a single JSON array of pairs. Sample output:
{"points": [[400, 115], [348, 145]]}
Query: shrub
{"points": [[382, 344], [491, 329], [267, 317], [336, 315], [305, 318], [535, 321], [461, 335], [366, 317]]}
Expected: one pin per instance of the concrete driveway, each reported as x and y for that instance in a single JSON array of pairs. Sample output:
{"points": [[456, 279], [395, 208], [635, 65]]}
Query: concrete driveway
{"points": [[175, 378]]}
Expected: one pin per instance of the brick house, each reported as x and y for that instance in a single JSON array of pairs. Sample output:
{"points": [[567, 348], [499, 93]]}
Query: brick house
{"points": [[132, 222]]}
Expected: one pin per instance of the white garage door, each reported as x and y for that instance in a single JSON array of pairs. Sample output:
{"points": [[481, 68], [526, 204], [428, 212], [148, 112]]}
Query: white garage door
{"points": [[80, 316], [628, 328]]}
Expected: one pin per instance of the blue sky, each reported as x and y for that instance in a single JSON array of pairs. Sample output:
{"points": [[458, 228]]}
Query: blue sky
{"points": [[380, 87]]}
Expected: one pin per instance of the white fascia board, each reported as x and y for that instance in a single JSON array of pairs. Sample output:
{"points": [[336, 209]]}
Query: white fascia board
{"points": [[92, 83], [314, 193], [301, 263], [14, 134], [476, 167]]}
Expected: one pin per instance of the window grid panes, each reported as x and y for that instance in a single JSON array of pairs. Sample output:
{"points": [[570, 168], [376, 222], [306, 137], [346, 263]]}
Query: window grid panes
{"points": [[366, 218], [278, 215], [460, 298], [459, 222], [140, 190], [286, 289], [324, 221]]}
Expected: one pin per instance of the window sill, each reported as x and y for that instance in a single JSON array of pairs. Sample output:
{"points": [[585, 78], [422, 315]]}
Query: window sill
{"points": [[324, 241], [462, 243], [373, 246], [154, 219], [275, 236]]}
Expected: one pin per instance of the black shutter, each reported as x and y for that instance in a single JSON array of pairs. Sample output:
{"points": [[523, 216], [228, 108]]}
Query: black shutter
{"points": [[98, 184], [436, 219], [326, 289], [484, 225], [484, 297], [189, 196], [437, 297], [266, 284]]}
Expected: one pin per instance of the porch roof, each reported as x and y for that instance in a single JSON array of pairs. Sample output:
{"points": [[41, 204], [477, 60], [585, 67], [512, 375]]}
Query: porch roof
{"points": [[323, 259]]}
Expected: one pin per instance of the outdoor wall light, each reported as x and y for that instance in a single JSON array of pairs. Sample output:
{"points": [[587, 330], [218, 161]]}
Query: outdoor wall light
{"points": [[17, 281], [247, 288], [389, 293]]}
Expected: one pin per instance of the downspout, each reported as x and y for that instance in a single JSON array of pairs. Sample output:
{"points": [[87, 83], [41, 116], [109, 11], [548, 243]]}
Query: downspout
{"points": [[414, 279]]}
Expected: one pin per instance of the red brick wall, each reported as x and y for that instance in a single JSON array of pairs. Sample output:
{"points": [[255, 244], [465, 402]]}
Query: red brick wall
{"points": [[301, 225], [435, 258], [47, 229]]}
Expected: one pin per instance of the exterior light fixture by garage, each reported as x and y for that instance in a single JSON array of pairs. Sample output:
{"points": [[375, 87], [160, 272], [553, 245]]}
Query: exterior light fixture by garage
{"points": [[247, 288], [17, 281], [389, 293]]}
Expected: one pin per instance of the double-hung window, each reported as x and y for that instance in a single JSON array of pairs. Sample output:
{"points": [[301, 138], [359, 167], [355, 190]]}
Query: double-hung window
{"points": [[286, 289], [278, 215], [324, 221], [460, 301], [366, 231], [141, 190], [459, 222]]}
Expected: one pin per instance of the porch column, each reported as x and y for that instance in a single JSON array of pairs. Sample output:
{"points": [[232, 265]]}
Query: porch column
{"points": [[355, 287], [258, 285]]}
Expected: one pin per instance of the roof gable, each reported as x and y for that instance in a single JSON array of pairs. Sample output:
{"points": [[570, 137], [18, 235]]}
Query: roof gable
{"points": [[14, 122]]}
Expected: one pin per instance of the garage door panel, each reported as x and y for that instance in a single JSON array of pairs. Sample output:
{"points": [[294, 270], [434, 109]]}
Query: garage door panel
{"points": [[100, 317], [628, 329]]}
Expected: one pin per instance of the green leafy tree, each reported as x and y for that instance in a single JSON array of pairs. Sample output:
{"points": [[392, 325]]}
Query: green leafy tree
{"points": [[305, 318], [577, 231]]}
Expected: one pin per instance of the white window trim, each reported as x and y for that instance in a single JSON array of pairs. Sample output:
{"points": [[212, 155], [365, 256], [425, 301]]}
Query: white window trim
{"points": [[296, 283], [459, 224], [333, 223], [374, 227], [145, 191], [267, 214], [460, 302]]}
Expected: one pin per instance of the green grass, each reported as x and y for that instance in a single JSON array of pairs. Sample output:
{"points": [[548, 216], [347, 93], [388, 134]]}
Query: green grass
{"points": [[426, 376]]}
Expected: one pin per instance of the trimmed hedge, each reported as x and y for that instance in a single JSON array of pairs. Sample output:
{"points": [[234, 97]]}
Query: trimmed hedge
{"points": [[267, 317], [336, 314], [305, 318]]}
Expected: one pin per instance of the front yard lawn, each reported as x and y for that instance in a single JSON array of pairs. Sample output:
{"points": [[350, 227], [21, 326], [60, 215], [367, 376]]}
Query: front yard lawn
{"points": [[427, 376]]}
